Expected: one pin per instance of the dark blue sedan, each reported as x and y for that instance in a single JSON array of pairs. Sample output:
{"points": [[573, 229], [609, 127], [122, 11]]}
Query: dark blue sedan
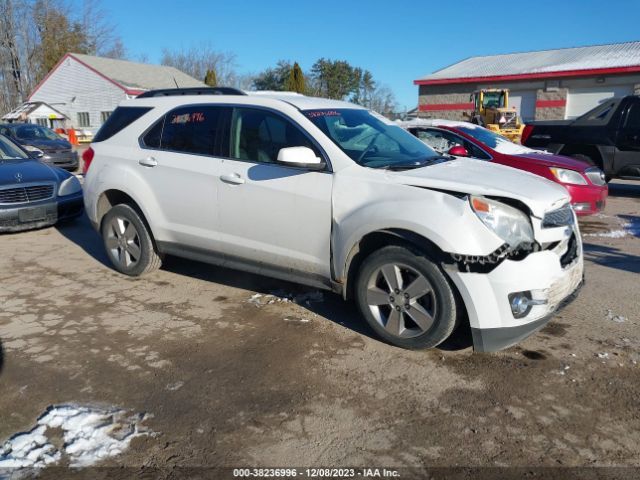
{"points": [[33, 194]]}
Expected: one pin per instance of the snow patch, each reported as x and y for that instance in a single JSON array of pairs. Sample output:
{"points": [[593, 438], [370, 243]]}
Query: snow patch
{"points": [[628, 230], [509, 148], [89, 434], [281, 296]]}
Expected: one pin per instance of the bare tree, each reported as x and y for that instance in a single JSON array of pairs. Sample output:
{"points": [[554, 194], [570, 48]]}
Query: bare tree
{"points": [[382, 100], [102, 39], [196, 60], [15, 78]]}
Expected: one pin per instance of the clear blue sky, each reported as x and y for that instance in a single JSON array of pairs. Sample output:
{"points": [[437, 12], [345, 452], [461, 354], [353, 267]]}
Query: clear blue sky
{"points": [[397, 40]]}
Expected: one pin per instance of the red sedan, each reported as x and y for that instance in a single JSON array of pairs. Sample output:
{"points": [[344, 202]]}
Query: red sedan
{"points": [[586, 184]]}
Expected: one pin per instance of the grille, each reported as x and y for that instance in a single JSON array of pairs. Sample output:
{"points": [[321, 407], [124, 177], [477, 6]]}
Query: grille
{"points": [[596, 176], [28, 194], [511, 120], [561, 217]]}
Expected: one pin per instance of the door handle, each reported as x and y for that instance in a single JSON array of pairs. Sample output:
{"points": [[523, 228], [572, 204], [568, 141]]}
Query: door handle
{"points": [[148, 162], [233, 178]]}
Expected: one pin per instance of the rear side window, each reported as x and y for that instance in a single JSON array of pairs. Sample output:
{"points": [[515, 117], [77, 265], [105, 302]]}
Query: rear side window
{"points": [[601, 114], [190, 129], [121, 118], [153, 137], [633, 117]]}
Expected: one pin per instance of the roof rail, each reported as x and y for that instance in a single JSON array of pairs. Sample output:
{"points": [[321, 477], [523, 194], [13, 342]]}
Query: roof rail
{"points": [[170, 92]]}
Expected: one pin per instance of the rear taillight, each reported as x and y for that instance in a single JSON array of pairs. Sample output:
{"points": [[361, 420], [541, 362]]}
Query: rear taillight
{"points": [[87, 158], [525, 134]]}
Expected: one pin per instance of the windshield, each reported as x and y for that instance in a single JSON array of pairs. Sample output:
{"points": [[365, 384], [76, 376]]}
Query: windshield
{"points": [[493, 99], [372, 141], [35, 132], [9, 151], [497, 142]]}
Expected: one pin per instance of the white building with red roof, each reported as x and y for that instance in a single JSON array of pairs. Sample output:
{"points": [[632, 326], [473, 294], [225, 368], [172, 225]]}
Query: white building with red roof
{"points": [[548, 84], [86, 89]]}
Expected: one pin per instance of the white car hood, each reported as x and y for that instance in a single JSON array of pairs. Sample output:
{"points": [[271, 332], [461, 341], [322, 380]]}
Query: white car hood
{"points": [[479, 177]]}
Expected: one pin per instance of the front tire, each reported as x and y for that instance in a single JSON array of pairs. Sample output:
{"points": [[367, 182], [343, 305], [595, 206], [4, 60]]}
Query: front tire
{"points": [[128, 242], [405, 298]]}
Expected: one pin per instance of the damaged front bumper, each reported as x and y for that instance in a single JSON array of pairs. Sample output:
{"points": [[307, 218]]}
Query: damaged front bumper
{"points": [[548, 277]]}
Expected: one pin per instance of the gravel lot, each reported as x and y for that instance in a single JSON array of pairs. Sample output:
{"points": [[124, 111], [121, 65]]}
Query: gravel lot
{"points": [[229, 378]]}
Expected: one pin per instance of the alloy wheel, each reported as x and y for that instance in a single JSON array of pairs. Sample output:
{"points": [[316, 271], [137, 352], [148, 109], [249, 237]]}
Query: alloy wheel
{"points": [[402, 300], [123, 242]]}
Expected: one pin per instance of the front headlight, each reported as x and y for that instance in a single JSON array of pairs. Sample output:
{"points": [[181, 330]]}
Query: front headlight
{"points": [[568, 176], [510, 224], [69, 186]]}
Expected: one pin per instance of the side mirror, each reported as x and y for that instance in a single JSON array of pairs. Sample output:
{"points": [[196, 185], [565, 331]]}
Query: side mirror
{"points": [[458, 151], [35, 155], [302, 157]]}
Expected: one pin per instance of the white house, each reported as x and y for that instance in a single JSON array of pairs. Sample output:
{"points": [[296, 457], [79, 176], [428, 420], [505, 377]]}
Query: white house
{"points": [[86, 89], [37, 112]]}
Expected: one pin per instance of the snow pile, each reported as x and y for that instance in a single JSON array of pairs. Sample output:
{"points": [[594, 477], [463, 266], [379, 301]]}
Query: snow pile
{"points": [[88, 435], [434, 122], [281, 296], [509, 148], [614, 317], [629, 229]]}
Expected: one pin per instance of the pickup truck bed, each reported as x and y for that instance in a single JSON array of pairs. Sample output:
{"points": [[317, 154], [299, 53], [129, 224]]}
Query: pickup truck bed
{"points": [[607, 136]]}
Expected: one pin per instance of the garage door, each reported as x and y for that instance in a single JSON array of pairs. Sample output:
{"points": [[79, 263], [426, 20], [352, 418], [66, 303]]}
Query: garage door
{"points": [[525, 103], [581, 100]]}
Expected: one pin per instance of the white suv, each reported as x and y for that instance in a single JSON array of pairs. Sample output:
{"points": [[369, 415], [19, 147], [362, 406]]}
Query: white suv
{"points": [[331, 195]]}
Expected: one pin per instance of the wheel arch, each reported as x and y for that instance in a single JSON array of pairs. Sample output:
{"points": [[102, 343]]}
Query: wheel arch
{"points": [[591, 151], [377, 239], [114, 196], [374, 240]]}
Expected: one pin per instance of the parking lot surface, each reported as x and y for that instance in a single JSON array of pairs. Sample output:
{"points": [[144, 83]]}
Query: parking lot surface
{"points": [[230, 369]]}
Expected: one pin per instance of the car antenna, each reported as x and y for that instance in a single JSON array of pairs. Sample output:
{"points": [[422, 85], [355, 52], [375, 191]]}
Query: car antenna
{"points": [[174, 81]]}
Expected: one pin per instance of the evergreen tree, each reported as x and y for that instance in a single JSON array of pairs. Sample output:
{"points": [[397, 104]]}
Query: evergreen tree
{"points": [[275, 78], [211, 79], [295, 82]]}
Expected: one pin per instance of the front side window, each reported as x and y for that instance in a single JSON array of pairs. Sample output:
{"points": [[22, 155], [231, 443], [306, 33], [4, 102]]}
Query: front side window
{"points": [[9, 151], [442, 141], [372, 141], [633, 117], [190, 129], [258, 135]]}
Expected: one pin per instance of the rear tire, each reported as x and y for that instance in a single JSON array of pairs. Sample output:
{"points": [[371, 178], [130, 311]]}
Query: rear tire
{"points": [[128, 242], [405, 298]]}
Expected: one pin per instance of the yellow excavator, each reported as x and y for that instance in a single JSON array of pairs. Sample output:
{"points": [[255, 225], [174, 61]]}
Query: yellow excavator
{"points": [[491, 110]]}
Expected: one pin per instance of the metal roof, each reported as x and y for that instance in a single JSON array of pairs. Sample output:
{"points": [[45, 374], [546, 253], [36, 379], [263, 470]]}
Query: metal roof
{"points": [[141, 76], [27, 108], [618, 56]]}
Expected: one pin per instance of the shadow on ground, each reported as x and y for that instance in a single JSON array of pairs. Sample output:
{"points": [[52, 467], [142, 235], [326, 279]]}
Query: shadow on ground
{"points": [[626, 190], [332, 307], [612, 257], [80, 232]]}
